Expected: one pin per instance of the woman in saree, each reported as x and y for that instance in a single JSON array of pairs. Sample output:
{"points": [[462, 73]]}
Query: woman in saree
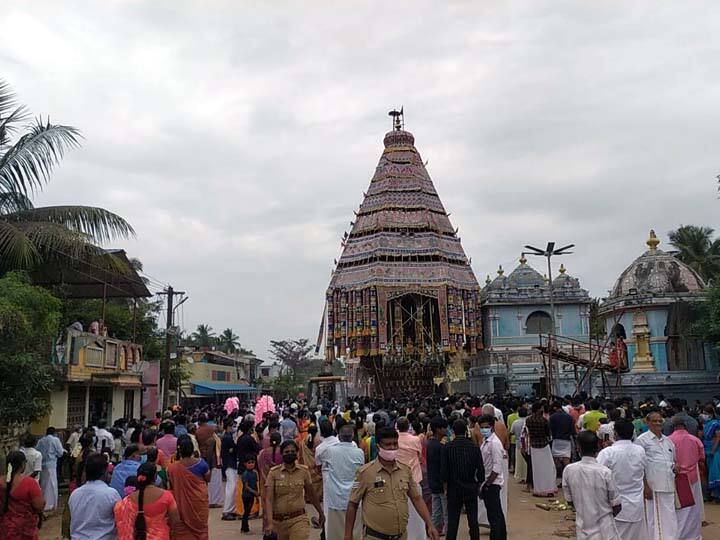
{"points": [[711, 442], [307, 458], [188, 477], [21, 501], [303, 425], [148, 513]]}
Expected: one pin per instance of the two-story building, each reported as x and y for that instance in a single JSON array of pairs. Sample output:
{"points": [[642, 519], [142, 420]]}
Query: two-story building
{"points": [[99, 376], [516, 311], [215, 376]]}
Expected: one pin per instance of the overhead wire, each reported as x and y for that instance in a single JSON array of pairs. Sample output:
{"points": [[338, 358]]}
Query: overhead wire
{"points": [[155, 282]]}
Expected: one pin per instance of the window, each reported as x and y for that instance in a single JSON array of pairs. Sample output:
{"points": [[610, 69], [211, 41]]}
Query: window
{"points": [[220, 376], [538, 322], [265, 371]]}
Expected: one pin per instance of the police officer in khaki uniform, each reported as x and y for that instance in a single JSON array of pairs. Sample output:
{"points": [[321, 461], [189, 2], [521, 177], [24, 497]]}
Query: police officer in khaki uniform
{"points": [[285, 490], [384, 486]]}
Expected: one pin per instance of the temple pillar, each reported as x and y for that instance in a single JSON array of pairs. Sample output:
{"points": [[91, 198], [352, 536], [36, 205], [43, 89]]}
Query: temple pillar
{"points": [[643, 360]]}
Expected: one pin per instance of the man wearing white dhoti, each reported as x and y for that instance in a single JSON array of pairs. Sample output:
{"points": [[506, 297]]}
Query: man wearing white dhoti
{"points": [[543, 465], [659, 480], [689, 451], [51, 449], [627, 463]]}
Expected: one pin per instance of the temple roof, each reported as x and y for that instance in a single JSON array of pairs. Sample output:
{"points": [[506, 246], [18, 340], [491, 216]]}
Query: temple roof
{"points": [[401, 234], [525, 285], [656, 273]]}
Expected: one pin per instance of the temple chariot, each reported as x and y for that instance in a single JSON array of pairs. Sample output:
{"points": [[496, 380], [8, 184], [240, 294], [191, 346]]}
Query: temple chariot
{"points": [[403, 305]]}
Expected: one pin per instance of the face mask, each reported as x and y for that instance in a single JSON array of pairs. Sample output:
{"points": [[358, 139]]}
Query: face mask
{"points": [[704, 417], [289, 458], [486, 432], [387, 455]]}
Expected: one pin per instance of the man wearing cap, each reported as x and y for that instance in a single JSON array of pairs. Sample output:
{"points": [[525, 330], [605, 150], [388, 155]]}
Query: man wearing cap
{"points": [[689, 451]]}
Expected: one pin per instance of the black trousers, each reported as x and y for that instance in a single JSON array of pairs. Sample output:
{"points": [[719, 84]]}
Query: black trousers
{"points": [[248, 500], [496, 518], [455, 501]]}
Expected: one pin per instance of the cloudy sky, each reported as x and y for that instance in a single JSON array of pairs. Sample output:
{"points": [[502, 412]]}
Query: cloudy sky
{"points": [[238, 137]]}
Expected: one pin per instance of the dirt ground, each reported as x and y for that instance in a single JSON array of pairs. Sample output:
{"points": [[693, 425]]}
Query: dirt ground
{"points": [[525, 522]]}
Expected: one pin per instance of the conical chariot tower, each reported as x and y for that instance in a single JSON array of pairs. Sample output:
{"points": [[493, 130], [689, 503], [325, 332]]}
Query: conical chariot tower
{"points": [[403, 299]]}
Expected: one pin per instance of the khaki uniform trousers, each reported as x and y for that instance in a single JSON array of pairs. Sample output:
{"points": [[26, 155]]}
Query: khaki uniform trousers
{"points": [[367, 536], [297, 528]]}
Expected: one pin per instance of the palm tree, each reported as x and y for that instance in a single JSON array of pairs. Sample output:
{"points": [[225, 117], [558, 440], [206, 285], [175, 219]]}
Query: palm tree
{"points": [[229, 341], [697, 249], [30, 236], [204, 335]]}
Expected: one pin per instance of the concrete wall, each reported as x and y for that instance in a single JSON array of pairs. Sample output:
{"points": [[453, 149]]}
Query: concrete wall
{"points": [[57, 416], [506, 325]]}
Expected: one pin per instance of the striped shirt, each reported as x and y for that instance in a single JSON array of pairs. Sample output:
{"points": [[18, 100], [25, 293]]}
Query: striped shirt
{"points": [[462, 465]]}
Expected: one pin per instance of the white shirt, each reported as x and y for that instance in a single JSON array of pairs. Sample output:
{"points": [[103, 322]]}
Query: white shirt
{"points": [[493, 455], [73, 440], [51, 449], [102, 434], [606, 429], [591, 489], [91, 512], [34, 460], [660, 454], [322, 447], [627, 463]]}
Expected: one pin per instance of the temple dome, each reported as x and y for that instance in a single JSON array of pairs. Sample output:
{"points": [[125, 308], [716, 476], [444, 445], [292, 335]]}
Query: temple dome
{"points": [[658, 273], [525, 276]]}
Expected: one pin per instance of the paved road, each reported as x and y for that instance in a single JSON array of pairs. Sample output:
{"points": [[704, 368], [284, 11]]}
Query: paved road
{"points": [[525, 522]]}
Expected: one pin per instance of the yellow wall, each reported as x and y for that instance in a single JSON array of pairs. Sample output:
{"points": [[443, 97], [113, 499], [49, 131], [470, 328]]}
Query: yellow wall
{"points": [[203, 372], [57, 416]]}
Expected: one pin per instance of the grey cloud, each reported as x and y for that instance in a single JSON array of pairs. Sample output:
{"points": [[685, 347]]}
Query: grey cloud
{"points": [[238, 138]]}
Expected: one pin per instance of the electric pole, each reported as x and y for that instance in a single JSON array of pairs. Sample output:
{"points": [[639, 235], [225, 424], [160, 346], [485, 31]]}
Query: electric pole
{"points": [[169, 333], [553, 372]]}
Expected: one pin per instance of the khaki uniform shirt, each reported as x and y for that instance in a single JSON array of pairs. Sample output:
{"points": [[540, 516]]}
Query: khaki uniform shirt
{"points": [[384, 495], [288, 488]]}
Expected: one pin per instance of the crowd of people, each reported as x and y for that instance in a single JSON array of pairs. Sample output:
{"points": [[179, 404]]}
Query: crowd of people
{"points": [[384, 469]]}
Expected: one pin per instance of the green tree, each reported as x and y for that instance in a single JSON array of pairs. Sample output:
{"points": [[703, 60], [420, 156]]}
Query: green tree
{"points": [[597, 323], [292, 353], [697, 249], [29, 235], [708, 319], [229, 342], [29, 323], [204, 336]]}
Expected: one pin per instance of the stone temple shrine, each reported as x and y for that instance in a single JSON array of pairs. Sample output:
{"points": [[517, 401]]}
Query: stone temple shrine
{"points": [[651, 308], [403, 304]]}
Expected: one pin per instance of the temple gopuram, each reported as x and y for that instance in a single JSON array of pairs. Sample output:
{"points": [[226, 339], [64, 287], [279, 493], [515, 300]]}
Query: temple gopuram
{"points": [[403, 304]]}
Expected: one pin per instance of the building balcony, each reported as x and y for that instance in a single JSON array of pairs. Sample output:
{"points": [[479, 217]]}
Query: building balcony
{"points": [[84, 357]]}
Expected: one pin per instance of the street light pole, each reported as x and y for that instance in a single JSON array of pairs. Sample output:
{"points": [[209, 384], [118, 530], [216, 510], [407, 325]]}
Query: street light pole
{"points": [[548, 252]]}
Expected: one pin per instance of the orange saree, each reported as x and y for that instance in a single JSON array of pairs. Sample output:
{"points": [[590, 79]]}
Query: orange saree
{"points": [[191, 495]]}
